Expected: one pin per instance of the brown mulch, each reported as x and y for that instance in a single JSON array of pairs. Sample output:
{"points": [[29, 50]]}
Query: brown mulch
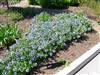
{"points": [[24, 24], [4, 19], [75, 50], [2, 52]]}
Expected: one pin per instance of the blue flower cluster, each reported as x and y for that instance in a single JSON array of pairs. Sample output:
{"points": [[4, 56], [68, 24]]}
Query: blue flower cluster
{"points": [[42, 40]]}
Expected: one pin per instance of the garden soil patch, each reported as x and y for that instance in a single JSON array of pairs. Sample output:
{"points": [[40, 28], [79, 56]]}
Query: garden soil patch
{"points": [[24, 24], [71, 52]]}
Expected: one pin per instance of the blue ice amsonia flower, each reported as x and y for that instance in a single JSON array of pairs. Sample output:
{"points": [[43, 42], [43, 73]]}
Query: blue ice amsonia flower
{"points": [[14, 69], [15, 73], [4, 72]]}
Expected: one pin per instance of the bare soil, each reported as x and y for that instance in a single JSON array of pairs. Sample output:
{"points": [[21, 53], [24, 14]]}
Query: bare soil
{"points": [[24, 24]]}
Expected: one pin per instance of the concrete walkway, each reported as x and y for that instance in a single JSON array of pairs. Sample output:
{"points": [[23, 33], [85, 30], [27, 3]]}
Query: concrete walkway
{"points": [[87, 64], [92, 68], [23, 3]]}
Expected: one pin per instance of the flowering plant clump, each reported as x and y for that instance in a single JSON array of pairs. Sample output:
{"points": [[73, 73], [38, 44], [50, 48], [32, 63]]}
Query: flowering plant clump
{"points": [[42, 40]]}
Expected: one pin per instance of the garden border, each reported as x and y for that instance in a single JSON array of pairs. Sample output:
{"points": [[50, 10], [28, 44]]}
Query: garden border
{"points": [[75, 66]]}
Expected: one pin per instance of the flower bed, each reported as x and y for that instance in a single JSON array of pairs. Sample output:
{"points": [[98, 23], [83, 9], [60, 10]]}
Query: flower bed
{"points": [[44, 38]]}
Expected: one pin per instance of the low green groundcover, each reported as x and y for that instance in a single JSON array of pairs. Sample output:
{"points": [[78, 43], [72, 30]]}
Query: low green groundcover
{"points": [[45, 36]]}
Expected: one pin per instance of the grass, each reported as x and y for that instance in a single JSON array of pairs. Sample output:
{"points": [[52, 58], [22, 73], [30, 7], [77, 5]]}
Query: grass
{"points": [[2, 11], [94, 4], [12, 15], [15, 16]]}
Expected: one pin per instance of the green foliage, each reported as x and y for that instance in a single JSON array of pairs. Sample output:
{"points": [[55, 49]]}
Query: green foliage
{"points": [[33, 2], [74, 2], [99, 23], [1, 0], [54, 3], [64, 61], [43, 17], [42, 40], [2, 11], [27, 12], [8, 34], [15, 16]]}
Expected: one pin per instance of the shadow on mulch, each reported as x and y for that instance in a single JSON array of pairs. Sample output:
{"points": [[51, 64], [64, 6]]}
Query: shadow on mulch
{"points": [[84, 37], [95, 18], [26, 12], [48, 66]]}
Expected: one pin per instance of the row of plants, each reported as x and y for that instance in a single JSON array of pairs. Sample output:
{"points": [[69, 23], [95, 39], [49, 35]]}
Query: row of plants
{"points": [[45, 36], [8, 34], [54, 3]]}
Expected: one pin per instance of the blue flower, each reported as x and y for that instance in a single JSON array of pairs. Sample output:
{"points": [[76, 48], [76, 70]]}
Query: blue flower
{"points": [[15, 73], [4, 72]]}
